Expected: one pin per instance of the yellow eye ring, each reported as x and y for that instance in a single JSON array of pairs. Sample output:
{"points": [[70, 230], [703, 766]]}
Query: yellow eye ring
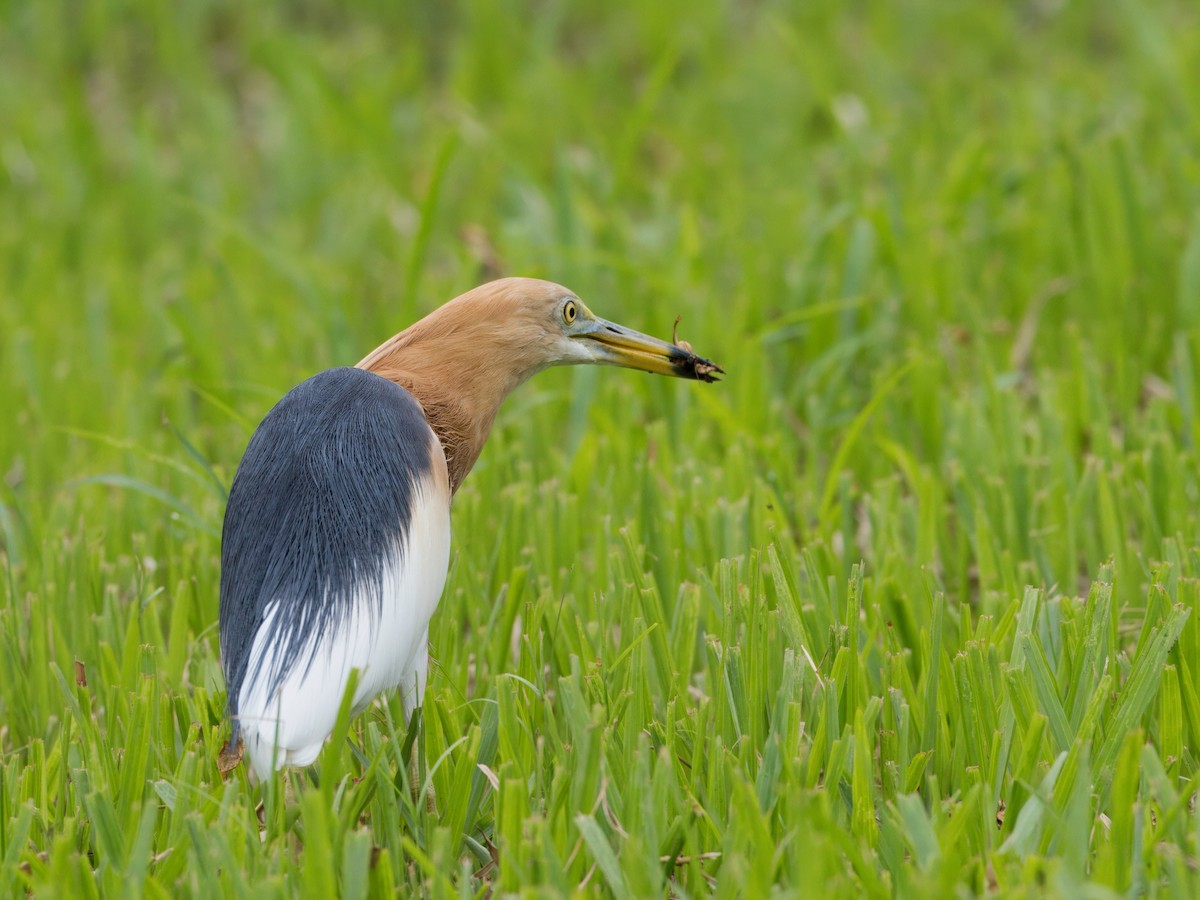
{"points": [[570, 312]]}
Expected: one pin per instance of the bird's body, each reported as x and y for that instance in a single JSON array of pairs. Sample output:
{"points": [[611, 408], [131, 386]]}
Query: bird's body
{"points": [[340, 443], [337, 534]]}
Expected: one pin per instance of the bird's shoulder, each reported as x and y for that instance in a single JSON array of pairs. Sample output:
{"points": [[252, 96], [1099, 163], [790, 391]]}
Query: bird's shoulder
{"points": [[348, 398], [348, 416]]}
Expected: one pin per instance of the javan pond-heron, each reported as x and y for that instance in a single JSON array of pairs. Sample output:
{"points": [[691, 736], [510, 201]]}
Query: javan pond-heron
{"points": [[336, 539]]}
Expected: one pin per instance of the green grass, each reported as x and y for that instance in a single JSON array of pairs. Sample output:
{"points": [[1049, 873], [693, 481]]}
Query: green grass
{"points": [[905, 607]]}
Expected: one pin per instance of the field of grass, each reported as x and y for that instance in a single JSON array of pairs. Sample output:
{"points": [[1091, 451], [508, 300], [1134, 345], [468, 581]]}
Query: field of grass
{"points": [[904, 607]]}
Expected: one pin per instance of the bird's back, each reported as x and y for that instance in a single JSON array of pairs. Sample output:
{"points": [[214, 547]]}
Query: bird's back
{"points": [[333, 557]]}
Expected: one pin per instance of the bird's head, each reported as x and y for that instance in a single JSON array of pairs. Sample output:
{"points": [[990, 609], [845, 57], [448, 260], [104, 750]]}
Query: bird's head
{"points": [[537, 324]]}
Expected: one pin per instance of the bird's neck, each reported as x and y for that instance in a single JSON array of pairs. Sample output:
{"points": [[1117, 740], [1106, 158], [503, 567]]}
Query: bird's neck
{"points": [[458, 381]]}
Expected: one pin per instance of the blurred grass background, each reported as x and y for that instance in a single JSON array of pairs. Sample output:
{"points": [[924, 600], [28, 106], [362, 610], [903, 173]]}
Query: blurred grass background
{"points": [[949, 255]]}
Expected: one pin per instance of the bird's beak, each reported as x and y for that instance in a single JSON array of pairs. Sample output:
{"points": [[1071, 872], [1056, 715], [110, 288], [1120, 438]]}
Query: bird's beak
{"points": [[616, 345]]}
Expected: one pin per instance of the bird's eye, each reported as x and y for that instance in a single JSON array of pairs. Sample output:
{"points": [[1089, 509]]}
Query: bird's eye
{"points": [[569, 312]]}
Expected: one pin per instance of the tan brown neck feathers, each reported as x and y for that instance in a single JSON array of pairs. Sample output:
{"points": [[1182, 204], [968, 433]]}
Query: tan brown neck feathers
{"points": [[460, 362]]}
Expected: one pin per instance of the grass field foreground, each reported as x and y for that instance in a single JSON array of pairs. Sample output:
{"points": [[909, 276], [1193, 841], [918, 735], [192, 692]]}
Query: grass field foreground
{"points": [[904, 607]]}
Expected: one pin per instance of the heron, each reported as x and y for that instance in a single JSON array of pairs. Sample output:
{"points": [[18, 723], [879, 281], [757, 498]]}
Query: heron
{"points": [[336, 538]]}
